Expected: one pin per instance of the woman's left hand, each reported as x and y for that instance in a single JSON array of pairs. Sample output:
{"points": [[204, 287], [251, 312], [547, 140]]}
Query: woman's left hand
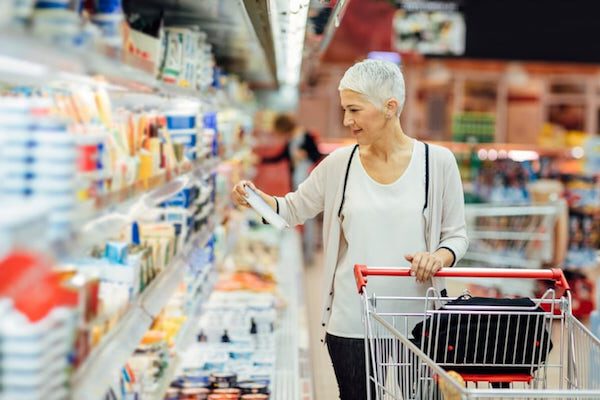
{"points": [[424, 265]]}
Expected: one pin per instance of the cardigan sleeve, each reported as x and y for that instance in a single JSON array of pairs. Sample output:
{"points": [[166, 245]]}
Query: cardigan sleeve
{"points": [[453, 235], [308, 200]]}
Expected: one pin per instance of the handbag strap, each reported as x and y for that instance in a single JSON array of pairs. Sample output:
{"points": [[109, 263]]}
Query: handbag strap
{"points": [[346, 180]]}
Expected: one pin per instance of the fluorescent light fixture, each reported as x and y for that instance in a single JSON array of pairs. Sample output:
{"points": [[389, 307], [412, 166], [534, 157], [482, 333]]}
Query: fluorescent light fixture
{"points": [[385, 56], [289, 29], [577, 152], [523, 155]]}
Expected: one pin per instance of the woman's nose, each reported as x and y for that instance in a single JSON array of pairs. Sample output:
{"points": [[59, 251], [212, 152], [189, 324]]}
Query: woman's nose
{"points": [[348, 121]]}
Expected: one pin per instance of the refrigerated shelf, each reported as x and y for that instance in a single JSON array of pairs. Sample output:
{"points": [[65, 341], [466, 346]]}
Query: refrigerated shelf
{"points": [[92, 378]]}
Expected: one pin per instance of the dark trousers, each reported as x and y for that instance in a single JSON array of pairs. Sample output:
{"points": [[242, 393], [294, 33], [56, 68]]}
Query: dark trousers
{"points": [[348, 359]]}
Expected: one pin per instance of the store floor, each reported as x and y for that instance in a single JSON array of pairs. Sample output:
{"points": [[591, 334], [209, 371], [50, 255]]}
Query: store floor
{"points": [[323, 378]]}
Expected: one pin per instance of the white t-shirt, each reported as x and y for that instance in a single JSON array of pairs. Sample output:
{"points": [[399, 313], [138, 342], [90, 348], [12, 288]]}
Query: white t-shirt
{"points": [[381, 223]]}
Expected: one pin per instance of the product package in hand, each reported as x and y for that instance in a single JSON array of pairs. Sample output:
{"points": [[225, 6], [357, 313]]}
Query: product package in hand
{"points": [[264, 210]]}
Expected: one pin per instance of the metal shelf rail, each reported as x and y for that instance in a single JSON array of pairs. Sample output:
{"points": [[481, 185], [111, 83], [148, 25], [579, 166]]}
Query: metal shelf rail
{"points": [[510, 236]]}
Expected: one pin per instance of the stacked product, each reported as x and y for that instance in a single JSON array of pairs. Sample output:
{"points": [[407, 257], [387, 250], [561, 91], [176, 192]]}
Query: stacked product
{"points": [[117, 273], [234, 353], [37, 325], [583, 196], [178, 56], [196, 132], [37, 159], [473, 127], [188, 59], [61, 21], [68, 147], [233, 356], [147, 371], [108, 16]]}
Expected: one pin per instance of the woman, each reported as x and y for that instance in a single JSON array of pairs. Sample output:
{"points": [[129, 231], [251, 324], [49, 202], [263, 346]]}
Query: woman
{"points": [[389, 200]]}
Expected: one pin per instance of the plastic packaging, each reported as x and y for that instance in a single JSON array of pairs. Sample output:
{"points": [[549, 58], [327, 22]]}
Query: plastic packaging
{"points": [[264, 210]]}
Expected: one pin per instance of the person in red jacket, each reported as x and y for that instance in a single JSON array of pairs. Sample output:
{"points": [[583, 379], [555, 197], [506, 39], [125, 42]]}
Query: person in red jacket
{"points": [[302, 153], [301, 149]]}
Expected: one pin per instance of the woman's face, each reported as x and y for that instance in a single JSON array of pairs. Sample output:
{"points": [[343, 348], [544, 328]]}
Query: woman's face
{"points": [[366, 122]]}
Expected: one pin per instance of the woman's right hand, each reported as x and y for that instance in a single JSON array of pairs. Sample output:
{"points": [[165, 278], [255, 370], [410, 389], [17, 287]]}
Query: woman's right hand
{"points": [[239, 194]]}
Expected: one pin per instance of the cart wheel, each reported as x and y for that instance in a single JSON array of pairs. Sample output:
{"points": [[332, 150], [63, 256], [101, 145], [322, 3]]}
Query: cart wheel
{"points": [[448, 390]]}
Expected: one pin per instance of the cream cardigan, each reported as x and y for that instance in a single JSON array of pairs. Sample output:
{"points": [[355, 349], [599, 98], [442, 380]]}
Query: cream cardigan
{"points": [[322, 192]]}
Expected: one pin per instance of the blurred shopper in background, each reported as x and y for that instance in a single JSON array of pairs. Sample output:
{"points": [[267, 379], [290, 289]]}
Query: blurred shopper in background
{"points": [[301, 150], [302, 154], [388, 200]]}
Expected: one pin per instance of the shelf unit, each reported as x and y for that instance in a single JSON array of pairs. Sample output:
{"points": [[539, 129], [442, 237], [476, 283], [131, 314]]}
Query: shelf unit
{"points": [[292, 379], [118, 202], [31, 60], [92, 378], [185, 335]]}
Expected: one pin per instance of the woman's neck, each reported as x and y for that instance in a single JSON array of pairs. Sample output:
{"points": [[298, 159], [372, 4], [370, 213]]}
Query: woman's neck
{"points": [[392, 142]]}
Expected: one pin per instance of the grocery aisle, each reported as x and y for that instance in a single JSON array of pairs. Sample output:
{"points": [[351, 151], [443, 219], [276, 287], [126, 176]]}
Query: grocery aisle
{"points": [[323, 376]]}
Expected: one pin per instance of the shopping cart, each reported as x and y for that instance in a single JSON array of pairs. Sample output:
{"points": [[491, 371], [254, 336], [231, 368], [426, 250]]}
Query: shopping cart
{"points": [[502, 352]]}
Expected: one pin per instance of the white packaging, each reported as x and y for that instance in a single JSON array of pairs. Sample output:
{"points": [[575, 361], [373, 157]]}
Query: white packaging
{"points": [[264, 210]]}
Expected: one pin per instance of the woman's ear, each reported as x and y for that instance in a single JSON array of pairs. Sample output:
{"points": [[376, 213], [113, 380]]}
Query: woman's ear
{"points": [[391, 107]]}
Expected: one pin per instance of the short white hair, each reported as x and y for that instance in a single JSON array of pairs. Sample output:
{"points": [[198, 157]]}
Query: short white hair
{"points": [[378, 80]]}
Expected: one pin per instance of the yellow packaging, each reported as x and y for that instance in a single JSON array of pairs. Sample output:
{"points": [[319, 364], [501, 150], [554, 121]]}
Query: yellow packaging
{"points": [[161, 238], [146, 165]]}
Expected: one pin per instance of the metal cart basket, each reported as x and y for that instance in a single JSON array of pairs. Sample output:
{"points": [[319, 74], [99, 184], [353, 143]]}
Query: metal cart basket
{"points": [[455, 351]]}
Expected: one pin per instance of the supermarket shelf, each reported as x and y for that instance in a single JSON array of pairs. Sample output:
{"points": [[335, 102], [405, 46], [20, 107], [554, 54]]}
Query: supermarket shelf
{"points": [[486, 210], [167, 378], [91, 380], [506, 235], [185, 335], [502, 261], [519, 287], [34, 60], [90, 215]]}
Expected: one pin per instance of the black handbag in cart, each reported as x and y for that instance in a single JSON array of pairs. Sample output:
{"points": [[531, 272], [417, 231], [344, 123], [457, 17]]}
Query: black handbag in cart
{"points": [[481, 335]]}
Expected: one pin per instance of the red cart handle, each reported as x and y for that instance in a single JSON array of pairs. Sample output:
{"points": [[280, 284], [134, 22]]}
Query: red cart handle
{"points": [[362, 271]]}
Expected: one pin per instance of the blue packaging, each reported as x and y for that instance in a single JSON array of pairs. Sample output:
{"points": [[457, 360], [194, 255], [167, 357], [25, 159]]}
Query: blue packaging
{"points": [[181, 121], [51, 4], [107, 6], [210, 123], [116, 252], [183, 199], [109, 24]]}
